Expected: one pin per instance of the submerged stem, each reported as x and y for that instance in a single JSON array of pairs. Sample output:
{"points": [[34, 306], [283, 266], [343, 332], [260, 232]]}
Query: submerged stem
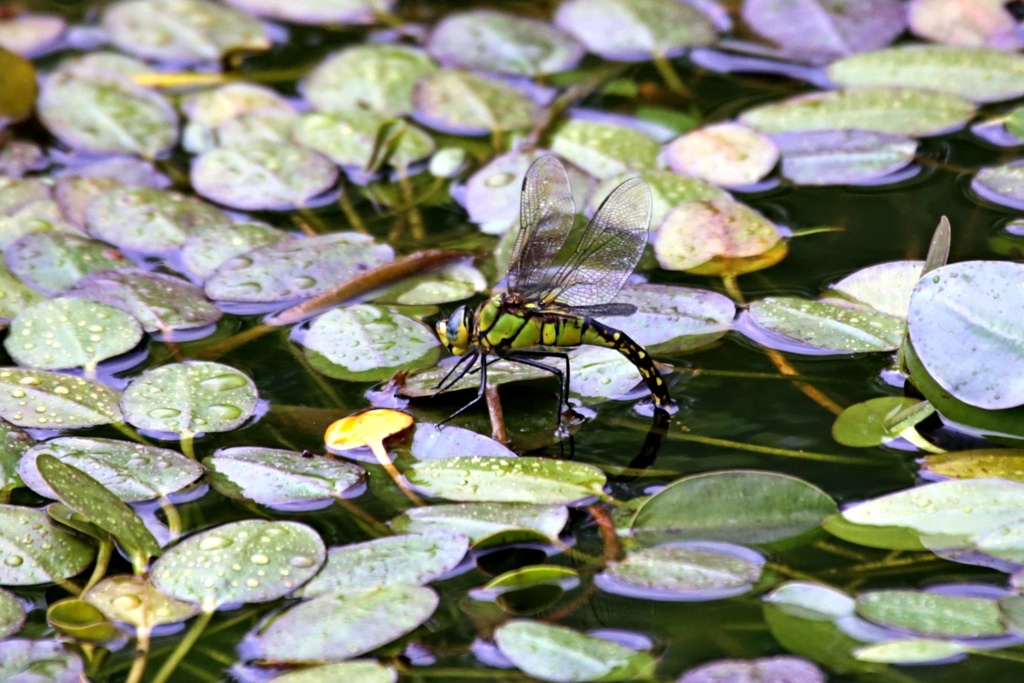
{"points": [[184, 645]]}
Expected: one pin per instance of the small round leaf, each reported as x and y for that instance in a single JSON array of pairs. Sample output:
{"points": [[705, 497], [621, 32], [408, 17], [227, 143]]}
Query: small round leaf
{"points": [[276, 477], [507, 480], [34, 549], [52, 400]]}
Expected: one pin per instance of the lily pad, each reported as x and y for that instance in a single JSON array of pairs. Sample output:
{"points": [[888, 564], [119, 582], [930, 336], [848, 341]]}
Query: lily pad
{"points": [[263, 175], [683, 571], [50, 262], [673, 319], [828, 327], [148, 220], [350, 672], [340, 626], [34, 549], [160, 303], [485, 523], [190, 398], [15, 296], [378, 77], [317, 12], [495, 41], [932, 614], [600, 374], [32, 35], [911, 651], [507, 480], [464, 103], [368, 343], [697, 231], [70, 333], [842, 157], [966, 322], [296, 269], [277, 477], [430, 442], [13, 444], [52, 400], [181, 30], [22, 660], [885, 287], [900, 111], [977, 23], [424, 382], [133, 472], [557, 653], [267, 560], [1003, 185], [41, 216], [605, 150], [134, 600], [452, 282], [207, 247], [12, 614], [763, 670], [994, 463], [349, 138], [668, 190], [209, 110], [727, 154], [866, 424], [408, 559], [635, 30]]}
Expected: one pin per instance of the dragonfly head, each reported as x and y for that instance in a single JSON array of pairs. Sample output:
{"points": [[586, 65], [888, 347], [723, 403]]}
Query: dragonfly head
{"points": [[454, 331]]}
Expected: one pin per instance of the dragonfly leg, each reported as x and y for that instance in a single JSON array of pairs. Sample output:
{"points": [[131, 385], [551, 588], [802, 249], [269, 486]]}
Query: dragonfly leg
{"points": [[526, 358], [480, 394], [455, 368]]}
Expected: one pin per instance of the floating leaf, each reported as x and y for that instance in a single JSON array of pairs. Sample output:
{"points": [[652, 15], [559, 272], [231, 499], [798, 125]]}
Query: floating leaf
{"points": [[726, 154], [900, 111], [910, 651], [12, 614], [673, 319], [341, 626], [377, 77], [208, 247], [350, 672], [487, 523], [635, 30], [74, 193], [34, 549], [296, 269], [50, 262], [668, 190], [276, 477], [511, 480], [979, 23], [368, 343], [75, 618], [408, 559], [31, 35], [14, 296], [865, 424], [41, 216], [133, 472], [193, 397], [1003, 185], [424, 382], [348, 138], [317, 11], [267, 560], [463, 103], [994, 463], [697, 231], [605, 150], [557, 653], [932, 614], [17, 87], [23, 660], [431, 442], [452, 282], [775, 507], [19, 157], [209, 111], [826, 326], [70, 333], [691, 571], [842, 157], [134, 600], [762, 670], [601, 373], [494, 41], [160, 303], [13, 444], [148, 220], [52, 400], [885, 287]]}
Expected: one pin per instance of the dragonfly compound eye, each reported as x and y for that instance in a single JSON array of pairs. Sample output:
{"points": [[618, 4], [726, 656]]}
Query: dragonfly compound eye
{"points": [[454, 332]]}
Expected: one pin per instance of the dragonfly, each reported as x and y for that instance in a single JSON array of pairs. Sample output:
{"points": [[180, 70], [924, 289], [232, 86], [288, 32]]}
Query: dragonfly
{"points": [[557, 287]]}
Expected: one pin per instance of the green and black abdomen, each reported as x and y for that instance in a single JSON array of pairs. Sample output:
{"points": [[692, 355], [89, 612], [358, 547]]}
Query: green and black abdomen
{"points": [[599, 334]]}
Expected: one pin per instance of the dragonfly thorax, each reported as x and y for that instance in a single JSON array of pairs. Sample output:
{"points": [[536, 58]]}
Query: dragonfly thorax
{"points": [[456, 330]]}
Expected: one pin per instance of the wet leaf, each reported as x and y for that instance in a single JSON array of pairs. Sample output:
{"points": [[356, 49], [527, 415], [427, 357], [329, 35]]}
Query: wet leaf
{"points": [[775, 507], [635, 30], [668, 190], [134, 600], [865, 424], [77, 619], [932, 614], [14, 296], [50, 262], [296, 269], [604, 150], [764, 670], [208, 247], [842, 157], [133, 472], [31, 35], [248, 561], [193, 397], [70, 333], [347, 138], [885, 287], [74, 193], [12, 614], [673, 319], [531, 577], [17, 87], [53, 400], [995, 463], [34, 549], [507, 480], [341, 626], [494, 41], [726, 154], [826, 326], [208, 111], [1003, 185], [557, 653], [317, 11], [148, 220], [42, 216], [350, 672], [430, 442], [911, 651], [13, 444], [692, 571], [262, 175], [900, 111], [697, 231], [19, 157], [424, 382], [367, 428], [600, 374], [452, 282], [487, 523], [368, 343], [22, 660], [978, 23], [277, 477], [463, 103], [378, 77], [407, 559]]}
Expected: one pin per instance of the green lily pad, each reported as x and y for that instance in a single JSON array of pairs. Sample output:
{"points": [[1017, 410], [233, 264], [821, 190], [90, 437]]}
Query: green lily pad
{"points": [[133, 472], [350, 672], [994, 463], [900, 111], [668, 190], [160, 303], [340, 626], [531, 577], [673, 319], [148, 220], [276, 477], [190, 398], [557, 653], [41, 216], [727, 154], [978, 74], [505, 43], [463, 103], [826, 326], [484, 523], [430, 442], [600, 374], [377, 77], [366, 343], [885, 288], [77, 619], [34, 549], [74, 193], [267, 560], [910, 651], [987, 23], [31, 35], [932, 614], [775, 507], [50, 262], [78, 333], [15, 296], [348, 138], [181, 30], [762, 670], [209, 110], [1012, 609], [696, 232], [12, 614], [694, 571], [1003, 185], [296, 269], [424, 382], [208, 247], [452, 282], [1003, 542], [604, 150], [135, 600], [967, 327], [635, 30], [23, 660], [317, 11], [18, 193], [865, 424], [52, 400], [67, 517], [408, 559], [842, 157], [13, 445], [507, 480]]}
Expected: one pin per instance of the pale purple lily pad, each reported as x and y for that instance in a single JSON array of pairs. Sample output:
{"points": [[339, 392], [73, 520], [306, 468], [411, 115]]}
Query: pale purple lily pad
{"points": [[349, 138], [52, 261], [209, 246], [726, 154], [781, 669], [842, 157], [975, 23], [32, 35], [317, 12], [464, 103], [1001, 184]]}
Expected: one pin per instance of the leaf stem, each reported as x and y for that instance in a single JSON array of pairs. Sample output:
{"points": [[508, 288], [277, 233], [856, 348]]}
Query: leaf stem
{"points": [[669, 75], [781, 452], [385, 461], [173, 518], [188, 445], [142, 641], [184, 645], [99, 569]]}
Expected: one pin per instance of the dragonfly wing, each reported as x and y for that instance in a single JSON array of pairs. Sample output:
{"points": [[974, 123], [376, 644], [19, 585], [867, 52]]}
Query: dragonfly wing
{"points": [[547, 212], [608, 249]]}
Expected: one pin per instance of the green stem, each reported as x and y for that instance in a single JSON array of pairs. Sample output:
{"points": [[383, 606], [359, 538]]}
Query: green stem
{"points": [[187, 445], [184, 645], [173, 518], [141, 655], [99, 569], [768, 450], [671, 78]]}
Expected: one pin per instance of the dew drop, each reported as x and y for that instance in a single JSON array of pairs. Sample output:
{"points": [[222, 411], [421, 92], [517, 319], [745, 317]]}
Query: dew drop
{"points": [[214, 543]]}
